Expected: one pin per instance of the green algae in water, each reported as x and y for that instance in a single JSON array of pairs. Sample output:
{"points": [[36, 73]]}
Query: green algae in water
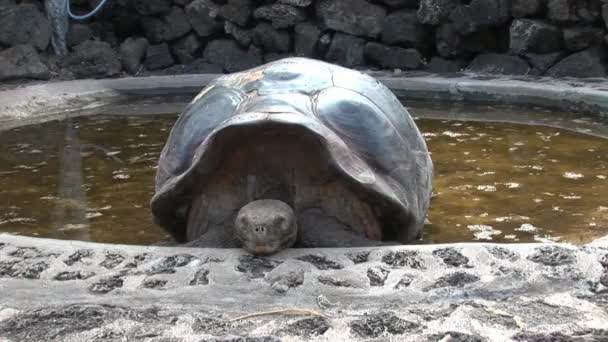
{"points": [[91, 178]]}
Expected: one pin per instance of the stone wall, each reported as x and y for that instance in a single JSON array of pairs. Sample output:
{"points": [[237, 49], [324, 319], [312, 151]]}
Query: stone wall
{"points": [[558, 38]]}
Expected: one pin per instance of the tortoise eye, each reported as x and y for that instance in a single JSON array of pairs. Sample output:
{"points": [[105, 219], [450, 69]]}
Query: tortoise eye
{"points": [[244, 222], [279, 220]]}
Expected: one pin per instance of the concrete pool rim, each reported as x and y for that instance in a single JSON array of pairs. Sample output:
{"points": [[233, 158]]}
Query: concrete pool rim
{"points": [[53, 100]]}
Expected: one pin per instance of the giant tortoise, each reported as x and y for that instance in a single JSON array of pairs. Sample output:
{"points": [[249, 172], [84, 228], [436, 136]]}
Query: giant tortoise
{"points": [[294, 153]]}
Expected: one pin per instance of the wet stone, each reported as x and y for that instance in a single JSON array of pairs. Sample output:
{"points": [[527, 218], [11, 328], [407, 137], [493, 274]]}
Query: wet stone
{"points": [[502, 253], [378, 324], [341, 280], [73, 275], [377, 275], [402, 259], [33, 271], [255, 267], [358, 257], [154, 283], [2, 245], [106, 285], [452, 257], [552, 256], [405, 281], [320, 262], [78, 256], [112, 260], [307, 327], [200, 277], [456, 279]]}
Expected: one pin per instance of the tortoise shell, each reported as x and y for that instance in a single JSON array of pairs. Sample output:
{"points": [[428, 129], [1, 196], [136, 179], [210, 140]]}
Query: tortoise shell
{"points": [[366, 133]]}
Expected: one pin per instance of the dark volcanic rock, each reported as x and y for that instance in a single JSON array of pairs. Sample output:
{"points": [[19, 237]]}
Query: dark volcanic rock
{"points": [[442, 65], [256, 267], [230, 55], [552, 256], [525, 8], [605, 14], [106, 285], [455, 337], [152, 7], [480, 13], [271, 57], [527, 35], [451, 257], [320, 262], [24, 24], [401, 3], [299, 3], [154, 283], [493, 63], [403, 259], [237, 11], [502, 253], [280, 15], [405, 281], [358, 257], [203, 16], [132, 51], [448, 41], [93, 59], [78, 256], [186, 48], [456, 279], [201, 277], [357, 17], [78, 33], [578, 38], [241, 35], [434, 12], [307, 327], [377, 275], [346, 50], [112, 260], [158, 57], [306, 36], [170, 27], [271, 39], [393, 57], [375, 325], [73, 275], [587, 63], [403, 28], [22, 61], [53, 323], [563, 11]]}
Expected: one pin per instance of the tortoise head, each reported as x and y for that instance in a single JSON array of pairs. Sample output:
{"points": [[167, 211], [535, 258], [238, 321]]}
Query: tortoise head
{"points": [[265, 227]]}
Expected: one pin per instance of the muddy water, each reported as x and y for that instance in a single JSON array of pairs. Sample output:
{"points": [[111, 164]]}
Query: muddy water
{"points": [[92, 178]]}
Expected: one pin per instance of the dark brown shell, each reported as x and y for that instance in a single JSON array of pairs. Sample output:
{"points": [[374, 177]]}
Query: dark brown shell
{"points": [[370, 137]]}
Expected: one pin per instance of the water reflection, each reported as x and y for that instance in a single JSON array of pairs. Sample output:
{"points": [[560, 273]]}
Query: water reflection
{"points": [[91, 178]]}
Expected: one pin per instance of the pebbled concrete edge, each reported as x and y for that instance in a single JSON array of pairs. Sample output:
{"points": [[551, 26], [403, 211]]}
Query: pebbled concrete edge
{"points": [[55, 100]]}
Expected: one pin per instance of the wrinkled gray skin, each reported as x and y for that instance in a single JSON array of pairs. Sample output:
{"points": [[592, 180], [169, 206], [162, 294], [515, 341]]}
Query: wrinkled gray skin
{"points": [[298, 148], [266, 227]]}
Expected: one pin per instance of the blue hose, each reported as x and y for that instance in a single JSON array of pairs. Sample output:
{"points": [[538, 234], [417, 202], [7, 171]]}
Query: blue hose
{"points": [[88, 15]]}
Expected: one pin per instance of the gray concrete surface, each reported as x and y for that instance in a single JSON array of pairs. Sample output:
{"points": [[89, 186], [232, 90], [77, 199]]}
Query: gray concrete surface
{"points": [[75, 291]]}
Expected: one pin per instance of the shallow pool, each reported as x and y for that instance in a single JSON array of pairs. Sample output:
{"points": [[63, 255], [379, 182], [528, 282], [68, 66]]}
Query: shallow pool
{"points": [[91, 178]]}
